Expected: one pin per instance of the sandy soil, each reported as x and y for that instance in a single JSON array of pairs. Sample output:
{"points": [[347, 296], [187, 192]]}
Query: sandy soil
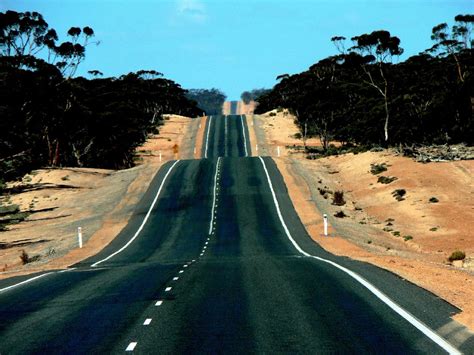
{"points": [[110, 195], [279, 133], [253, 142], [378, 227], [200, 137]]}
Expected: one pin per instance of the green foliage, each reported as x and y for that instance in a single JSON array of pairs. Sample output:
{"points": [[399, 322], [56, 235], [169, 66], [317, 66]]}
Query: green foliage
{"points": [[209, 101], [253, 95], [25, 258], [433, 200], [338, 198], [399, 194], [386, 179], [457, 255], [362, 97], [407, 238], [49, 118], [376, 169], [10, 209], [340, 214]]}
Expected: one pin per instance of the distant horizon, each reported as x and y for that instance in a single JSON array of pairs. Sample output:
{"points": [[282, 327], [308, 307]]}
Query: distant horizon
{"points": [[234, 46]]}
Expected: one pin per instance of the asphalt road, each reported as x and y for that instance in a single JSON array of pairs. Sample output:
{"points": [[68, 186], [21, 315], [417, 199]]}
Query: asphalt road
{"points": [[221, 264]]}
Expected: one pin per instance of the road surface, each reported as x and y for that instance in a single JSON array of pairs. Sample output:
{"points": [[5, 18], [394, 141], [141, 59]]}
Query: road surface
{"points": [[215, 260]]}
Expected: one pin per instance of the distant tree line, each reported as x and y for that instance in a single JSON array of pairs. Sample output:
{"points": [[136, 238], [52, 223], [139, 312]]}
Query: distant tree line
{"points": [[208, 100], [253, 95], [49, 118], [360, 96]]}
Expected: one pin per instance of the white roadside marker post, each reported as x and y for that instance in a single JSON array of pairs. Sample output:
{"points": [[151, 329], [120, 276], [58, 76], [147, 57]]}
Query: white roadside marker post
{"points": [[278, 150], [256, 148], [79, 236], [325, 218], [160, 156]]}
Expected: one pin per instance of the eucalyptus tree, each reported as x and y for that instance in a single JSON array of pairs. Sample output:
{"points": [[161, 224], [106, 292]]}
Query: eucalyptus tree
{"points": [[453, 42], [24, 34], [253, 95], [374, 53], [208, 100]]}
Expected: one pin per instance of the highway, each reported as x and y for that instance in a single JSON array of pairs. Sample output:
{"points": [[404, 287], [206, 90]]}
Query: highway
{"points": [[215, 260]]}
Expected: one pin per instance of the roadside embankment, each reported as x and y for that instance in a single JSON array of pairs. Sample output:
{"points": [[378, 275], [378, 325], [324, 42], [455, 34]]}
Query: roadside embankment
{"points": [[396, 213], [58, 201]]}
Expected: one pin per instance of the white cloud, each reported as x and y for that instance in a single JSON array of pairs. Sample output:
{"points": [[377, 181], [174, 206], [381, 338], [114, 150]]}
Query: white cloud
{"points": [[191, 10]]}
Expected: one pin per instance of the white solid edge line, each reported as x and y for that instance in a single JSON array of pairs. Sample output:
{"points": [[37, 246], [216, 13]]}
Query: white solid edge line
{"points": [[131, 346], [207, 136], [144, 219], [431, 334], [67, 270], [25, 282], [243, 132], [225, 136], [214, 195]]}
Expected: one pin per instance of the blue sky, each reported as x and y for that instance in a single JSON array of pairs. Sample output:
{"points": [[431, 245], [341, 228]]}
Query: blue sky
{"points": [[234, 45]]}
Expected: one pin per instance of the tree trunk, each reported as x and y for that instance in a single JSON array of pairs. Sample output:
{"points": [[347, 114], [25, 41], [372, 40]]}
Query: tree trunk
{"points": [[387, 116], [56, 155], [305, 131]]}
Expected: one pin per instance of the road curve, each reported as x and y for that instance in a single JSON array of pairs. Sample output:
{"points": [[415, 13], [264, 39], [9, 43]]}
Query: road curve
{"points": [[213, 270]]}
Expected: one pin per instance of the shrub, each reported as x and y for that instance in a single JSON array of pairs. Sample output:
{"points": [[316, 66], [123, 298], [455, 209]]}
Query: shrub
{"points": [[25, 258], [398, 194], [407, 238], [338, 198], [396, 233], [457, 255], [434, 200], [340, 214], [386, 179], [6, 210], [376, 169]]}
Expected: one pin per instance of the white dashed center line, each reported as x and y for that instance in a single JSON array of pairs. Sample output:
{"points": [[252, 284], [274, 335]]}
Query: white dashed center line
{"points": [[131, 346], [147, 321], [159, 303], [168, 289], [175, 278]]}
